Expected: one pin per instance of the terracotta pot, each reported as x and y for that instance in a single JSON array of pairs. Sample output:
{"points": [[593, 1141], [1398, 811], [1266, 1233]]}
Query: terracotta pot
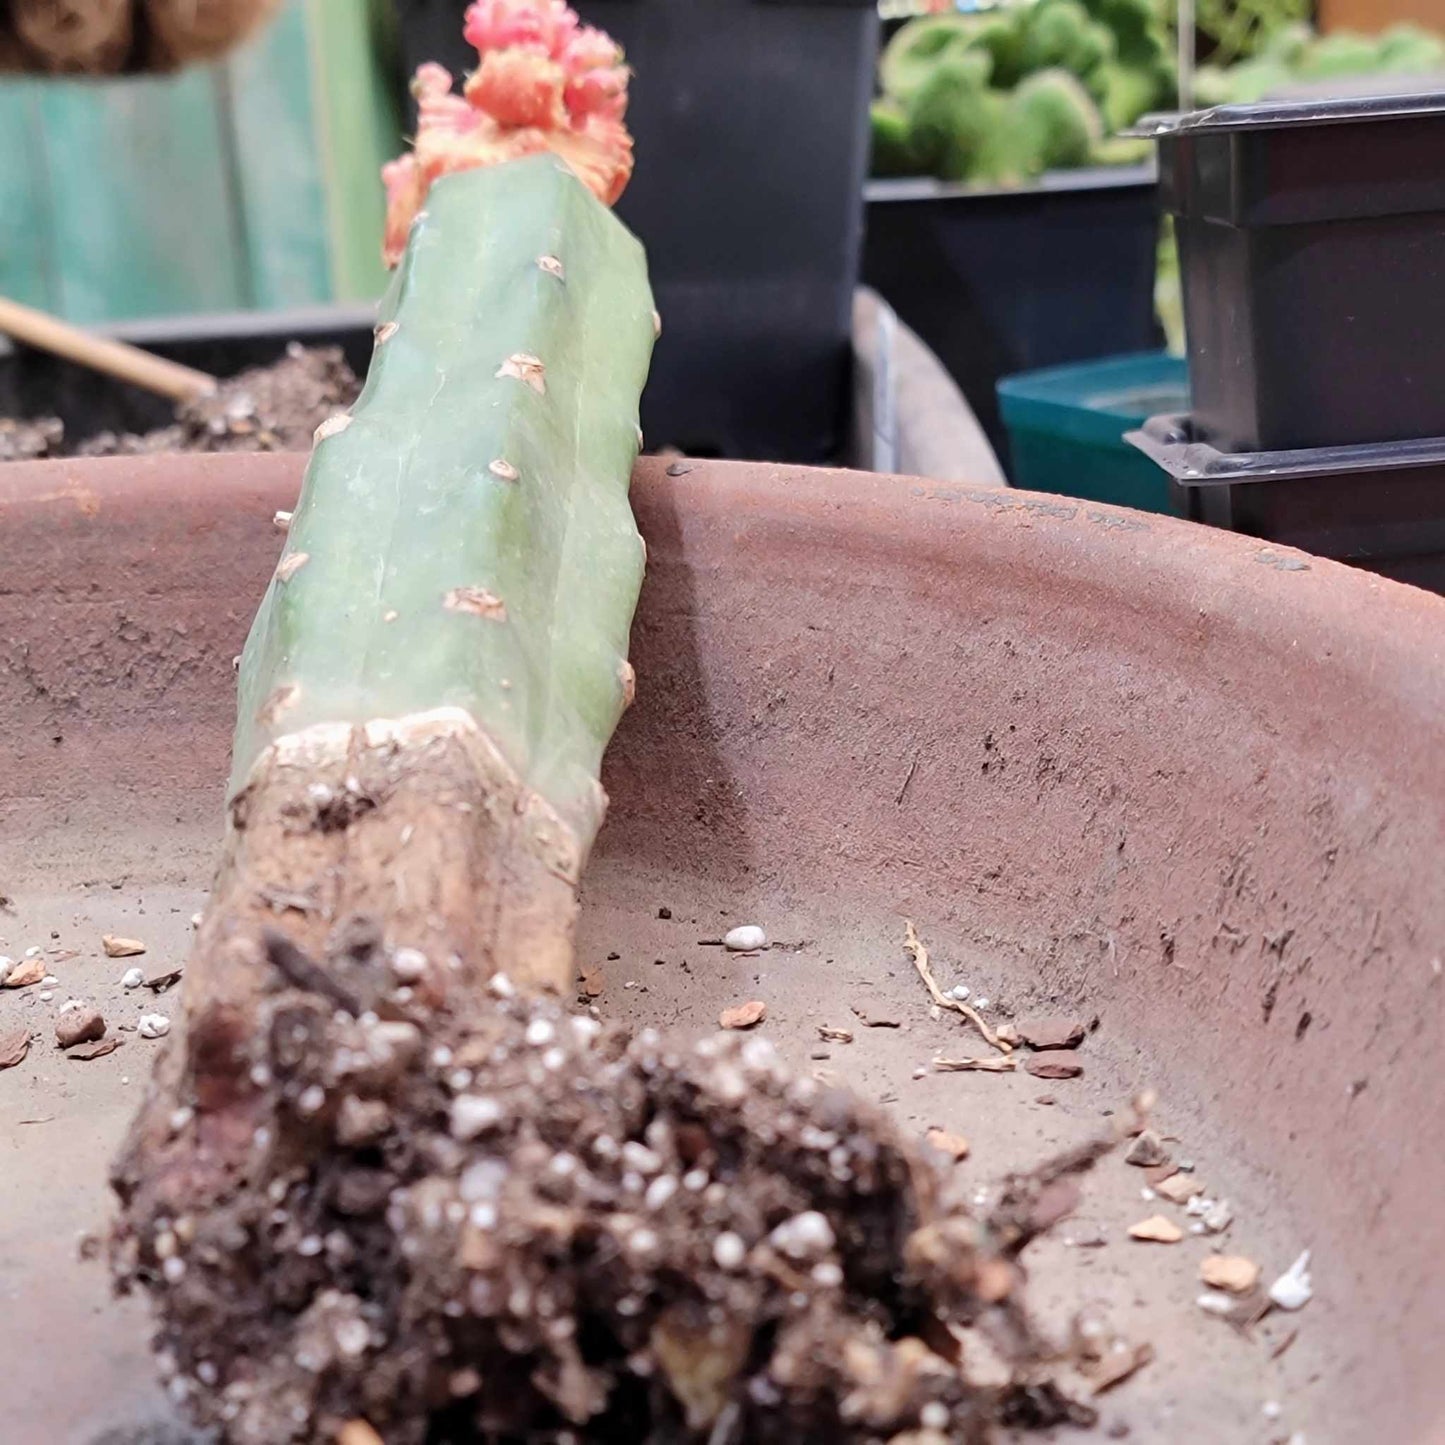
{"points": [[1171, 776]]}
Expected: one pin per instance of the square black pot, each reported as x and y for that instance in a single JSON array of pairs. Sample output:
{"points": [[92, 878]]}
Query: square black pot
{"points": [[1312, 258]]}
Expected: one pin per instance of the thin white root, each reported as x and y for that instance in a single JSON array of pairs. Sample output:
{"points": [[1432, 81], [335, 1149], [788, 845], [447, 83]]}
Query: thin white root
{"points": [[914, 945]]}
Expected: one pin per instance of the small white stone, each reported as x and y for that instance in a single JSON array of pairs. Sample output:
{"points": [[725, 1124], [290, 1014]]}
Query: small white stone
{"points": [[153, 1026], [804, 1236], [483, 1180], [502, 986], [1294, 1289], [33, 951], [1214, 1303], [643, 1241], [207, 1373], [660, 1191], [195, 920], [409, 965], [352, 1337], [958, 993], [1219, 1217], [827, 1274], [49, 981], [746, 938], [540, 1033], [980, 1003], [71, 1004], [46, 995], [174, 1269], [1271, 1409], [640, 1158], [310, 1246], [554, 1060], [729, 1251], [132, 978], [474, 1114], [934, 1416], [695, 1181], [312, 1098]]}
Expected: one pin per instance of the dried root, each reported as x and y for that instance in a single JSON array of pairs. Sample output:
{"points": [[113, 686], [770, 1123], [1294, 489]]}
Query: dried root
{"points": [[510, 1224]]}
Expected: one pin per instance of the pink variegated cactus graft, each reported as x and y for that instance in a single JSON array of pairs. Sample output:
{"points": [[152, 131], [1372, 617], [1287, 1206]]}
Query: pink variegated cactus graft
{"points": [[544, 82]]}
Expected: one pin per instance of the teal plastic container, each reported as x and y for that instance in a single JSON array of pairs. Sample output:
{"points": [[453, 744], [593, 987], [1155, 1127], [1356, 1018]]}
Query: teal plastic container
{"points": [[1066, 427]]}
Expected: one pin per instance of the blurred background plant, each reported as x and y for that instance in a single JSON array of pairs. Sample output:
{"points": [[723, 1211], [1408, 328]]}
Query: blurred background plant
{"points": [[1235, 29], [998, 97]]}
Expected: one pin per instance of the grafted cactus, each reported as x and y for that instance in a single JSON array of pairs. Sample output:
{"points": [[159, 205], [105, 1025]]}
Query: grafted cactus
{"points": [[544, 82]]}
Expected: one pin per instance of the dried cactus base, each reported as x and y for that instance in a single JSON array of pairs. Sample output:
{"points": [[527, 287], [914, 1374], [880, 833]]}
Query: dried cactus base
{"points": [[507, 1223]]}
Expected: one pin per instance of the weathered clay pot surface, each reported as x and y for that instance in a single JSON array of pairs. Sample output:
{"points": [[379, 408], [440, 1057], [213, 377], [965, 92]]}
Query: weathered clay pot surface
{"points": [[1107, 763]]}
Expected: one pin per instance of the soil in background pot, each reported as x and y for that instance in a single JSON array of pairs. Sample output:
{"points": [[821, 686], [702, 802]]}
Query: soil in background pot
{"points": [[273, 408]]}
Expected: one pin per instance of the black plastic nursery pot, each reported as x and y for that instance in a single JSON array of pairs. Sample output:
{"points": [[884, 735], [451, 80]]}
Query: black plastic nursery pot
{"points": [[1001, 281], [1312, 258], [751, 122], [1380, 506]]}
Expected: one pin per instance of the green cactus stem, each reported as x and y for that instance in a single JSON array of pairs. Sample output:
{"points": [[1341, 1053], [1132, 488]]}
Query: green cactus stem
{"points": [[463, 539]]}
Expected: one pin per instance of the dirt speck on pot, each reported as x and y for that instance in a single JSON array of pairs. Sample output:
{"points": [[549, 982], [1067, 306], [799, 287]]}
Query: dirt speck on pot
{"points": [[97, 1049], [1147, 1151], [875, 1021], [81, 1026], [25, 974], [1057, 1064], [744, 1015], [1178, 1188], [14, 1045], [1051, 1033], [1232, 1273], [954, 1146], [1156, 1230]]}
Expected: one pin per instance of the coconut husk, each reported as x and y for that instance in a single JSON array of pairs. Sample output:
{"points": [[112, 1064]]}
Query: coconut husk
{"points": [[184, 32], [72, 37]]}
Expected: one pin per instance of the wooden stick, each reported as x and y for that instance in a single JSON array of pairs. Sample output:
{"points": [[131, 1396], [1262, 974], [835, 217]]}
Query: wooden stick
{"points": [[115, 358]]}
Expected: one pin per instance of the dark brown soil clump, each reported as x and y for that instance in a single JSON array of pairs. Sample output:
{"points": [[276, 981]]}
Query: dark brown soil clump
{"points": [[520, 1226]]}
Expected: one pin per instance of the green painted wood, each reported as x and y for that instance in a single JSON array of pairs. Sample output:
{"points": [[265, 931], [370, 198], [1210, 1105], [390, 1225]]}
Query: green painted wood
{"points": [[24, 262], [267, 96], [359, 128], [249, 184], [144, 219]]}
